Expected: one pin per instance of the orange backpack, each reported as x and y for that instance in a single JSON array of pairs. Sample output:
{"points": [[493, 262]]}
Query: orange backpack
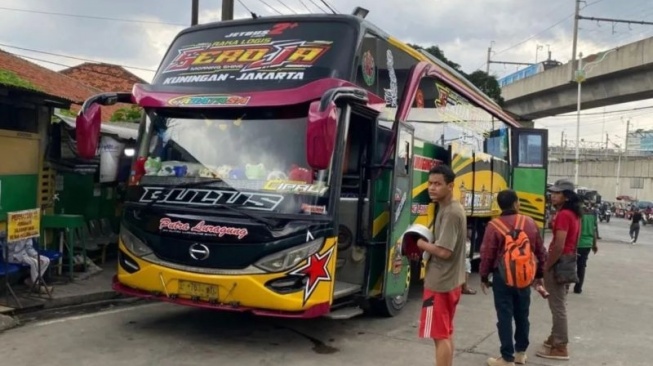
{"points": [[517, 265]]}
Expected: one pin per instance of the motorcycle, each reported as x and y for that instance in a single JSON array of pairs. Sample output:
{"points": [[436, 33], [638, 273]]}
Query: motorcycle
{"points": [[648, 218], [605, 215]]}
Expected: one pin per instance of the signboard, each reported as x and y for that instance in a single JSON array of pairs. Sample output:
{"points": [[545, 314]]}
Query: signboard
{"points": [[23, 225], [259, 56]]}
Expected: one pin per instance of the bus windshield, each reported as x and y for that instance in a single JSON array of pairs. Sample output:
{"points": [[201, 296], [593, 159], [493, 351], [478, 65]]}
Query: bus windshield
{"points": [[262, 153]]}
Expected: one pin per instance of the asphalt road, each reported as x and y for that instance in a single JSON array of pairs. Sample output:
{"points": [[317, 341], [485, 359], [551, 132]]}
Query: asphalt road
{"points": [[610, 324]]}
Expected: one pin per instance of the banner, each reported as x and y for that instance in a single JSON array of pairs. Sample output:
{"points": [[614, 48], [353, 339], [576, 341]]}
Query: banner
{"points": [[23, 225], [110, 152]]}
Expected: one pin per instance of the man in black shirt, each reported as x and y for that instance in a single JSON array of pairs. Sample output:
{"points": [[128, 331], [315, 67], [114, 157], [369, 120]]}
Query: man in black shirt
{"points": [[634, 226]]}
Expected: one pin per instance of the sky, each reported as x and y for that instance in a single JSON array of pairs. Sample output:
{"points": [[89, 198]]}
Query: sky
{"points": [[136, 33]]}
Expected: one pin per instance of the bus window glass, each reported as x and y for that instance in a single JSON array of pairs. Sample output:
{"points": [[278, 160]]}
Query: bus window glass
{"points": [[443, 116], [530, 150]]}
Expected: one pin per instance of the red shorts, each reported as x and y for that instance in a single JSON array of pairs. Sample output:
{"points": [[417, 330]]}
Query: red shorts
{"points": [[438, 310]]}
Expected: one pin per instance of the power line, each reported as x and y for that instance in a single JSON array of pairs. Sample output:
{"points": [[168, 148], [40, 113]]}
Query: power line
{"points": [[72, 57], [317, 5], [306, 6], [639, 22], [64, 65], [90, 17], [245, 6], [607, 112], [328, 6], [271, 7], [544, 30], [287, 7]]}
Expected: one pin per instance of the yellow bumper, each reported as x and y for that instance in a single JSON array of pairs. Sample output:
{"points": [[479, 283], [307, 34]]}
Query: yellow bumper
{"points": [[237, 292]]}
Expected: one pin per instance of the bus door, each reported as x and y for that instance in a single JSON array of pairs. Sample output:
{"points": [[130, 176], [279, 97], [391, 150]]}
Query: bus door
{"points": [[397, 265], [529, 158], [397, 279]]}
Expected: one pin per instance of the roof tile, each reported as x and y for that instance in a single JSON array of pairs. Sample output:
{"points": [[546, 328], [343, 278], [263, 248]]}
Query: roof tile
{"points": [[34, 77]]}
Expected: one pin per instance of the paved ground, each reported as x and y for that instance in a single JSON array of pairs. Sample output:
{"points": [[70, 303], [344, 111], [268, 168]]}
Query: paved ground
{"points": [[609, 324]]}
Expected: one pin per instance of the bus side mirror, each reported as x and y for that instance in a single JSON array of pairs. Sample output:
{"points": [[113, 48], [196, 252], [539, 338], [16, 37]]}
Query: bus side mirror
{"points": [[87, 130], [321, 134]]}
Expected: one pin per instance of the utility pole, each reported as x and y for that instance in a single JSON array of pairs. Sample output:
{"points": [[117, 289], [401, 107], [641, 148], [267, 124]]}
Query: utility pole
{"points": [[607, 140], [575, 41], [227, 10], [627, 133], [489, 54], [194, 12]]}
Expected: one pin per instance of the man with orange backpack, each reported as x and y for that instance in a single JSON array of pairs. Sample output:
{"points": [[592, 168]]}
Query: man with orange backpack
{"points": [[513, 252]]}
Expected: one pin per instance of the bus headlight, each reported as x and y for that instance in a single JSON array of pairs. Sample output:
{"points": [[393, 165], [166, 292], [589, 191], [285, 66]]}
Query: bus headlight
{"points": [[135, 245], [286, 259]]}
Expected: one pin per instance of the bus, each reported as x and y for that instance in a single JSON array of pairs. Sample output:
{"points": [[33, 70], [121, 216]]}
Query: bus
{"points": [[280, 161]]}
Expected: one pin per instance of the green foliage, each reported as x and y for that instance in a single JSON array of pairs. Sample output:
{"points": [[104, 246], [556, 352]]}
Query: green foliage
{"points": [[487, 83], [127, 114], [9, 78]]}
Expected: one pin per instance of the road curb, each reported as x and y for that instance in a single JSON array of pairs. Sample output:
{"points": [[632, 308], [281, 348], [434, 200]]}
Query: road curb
{"points": [[7, 322], [81, 299]]}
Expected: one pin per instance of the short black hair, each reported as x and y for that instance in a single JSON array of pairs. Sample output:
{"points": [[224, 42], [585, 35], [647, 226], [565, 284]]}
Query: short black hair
{"points": [[507, 199], [445, 171]]}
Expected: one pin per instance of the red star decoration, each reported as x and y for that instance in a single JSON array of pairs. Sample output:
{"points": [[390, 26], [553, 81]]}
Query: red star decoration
{"points": [[316, 269]]}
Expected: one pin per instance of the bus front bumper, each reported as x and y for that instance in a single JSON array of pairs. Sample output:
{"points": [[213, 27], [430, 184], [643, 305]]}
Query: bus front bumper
{"points": [[227, 292], [314, 311]]}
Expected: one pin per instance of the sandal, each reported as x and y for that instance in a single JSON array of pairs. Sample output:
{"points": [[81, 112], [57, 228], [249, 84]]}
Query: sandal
{"points": [[469, 291]]}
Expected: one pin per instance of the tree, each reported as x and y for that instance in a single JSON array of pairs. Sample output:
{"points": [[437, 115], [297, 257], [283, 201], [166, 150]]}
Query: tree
{"points": [[127, 114], [488, 84]]}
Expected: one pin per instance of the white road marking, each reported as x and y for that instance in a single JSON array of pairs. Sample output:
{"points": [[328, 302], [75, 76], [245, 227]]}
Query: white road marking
{"points": [[94, 315]]}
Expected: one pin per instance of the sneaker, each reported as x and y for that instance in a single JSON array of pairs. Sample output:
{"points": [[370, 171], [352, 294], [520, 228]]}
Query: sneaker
{"points": [[498, 362], [520, 358], [557, 352]]}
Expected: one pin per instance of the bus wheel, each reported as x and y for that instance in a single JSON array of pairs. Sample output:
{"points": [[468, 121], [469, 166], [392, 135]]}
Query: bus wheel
{"points": [[391, 306]]}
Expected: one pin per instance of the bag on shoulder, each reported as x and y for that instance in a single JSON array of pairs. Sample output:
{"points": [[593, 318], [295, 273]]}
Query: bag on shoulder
{"points": [[564, 271], [517, 264]]}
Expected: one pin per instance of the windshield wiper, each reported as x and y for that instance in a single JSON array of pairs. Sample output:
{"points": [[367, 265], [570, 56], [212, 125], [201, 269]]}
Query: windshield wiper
{"points": [[182, 185], [244, 212], [270, 224]]}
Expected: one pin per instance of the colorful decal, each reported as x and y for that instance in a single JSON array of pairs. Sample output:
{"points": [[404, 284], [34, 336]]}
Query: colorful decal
{"points": [[419, 209], [424, 164], [368, 68], [396, 262], [251, 59], [402, 202], [209, 197], [295, 187], [391, 95], [316, 271], [204, 100], [320, 210], [419, 98], [201, 228]]}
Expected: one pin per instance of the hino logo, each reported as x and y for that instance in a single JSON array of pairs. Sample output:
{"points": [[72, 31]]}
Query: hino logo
{"points": [[210, 197], [199, 251]]}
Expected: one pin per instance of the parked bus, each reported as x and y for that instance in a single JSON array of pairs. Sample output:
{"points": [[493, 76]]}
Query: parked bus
{"points": [[281, 159]]}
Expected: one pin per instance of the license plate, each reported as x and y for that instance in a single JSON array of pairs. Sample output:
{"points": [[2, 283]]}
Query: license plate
{"points": [[196, 289]]}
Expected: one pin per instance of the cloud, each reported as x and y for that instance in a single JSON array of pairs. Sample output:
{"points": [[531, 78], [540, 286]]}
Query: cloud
{"points": [[462, 29]]}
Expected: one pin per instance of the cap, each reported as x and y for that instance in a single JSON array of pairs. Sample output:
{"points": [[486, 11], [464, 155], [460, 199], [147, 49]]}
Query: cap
{"points": [[562, 185]]}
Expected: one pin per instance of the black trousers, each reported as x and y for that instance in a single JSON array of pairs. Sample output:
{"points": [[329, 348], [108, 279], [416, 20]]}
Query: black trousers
{"points": [[581, 265], [634, 232]]}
